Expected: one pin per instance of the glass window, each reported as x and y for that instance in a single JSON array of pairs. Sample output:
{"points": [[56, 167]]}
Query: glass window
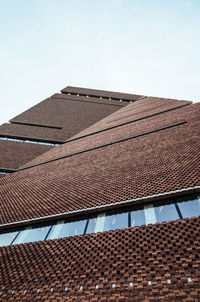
{"points": [[32, 234], [65, 229], [116, 221], [96, 224], [165, 212], [137, 217], [107, 222], [189, 206], [150, 215], [7, 238], [91, 225], [12, 139]]}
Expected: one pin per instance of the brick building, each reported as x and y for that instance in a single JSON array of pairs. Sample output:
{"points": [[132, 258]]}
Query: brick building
{"points": [[101, 199]]}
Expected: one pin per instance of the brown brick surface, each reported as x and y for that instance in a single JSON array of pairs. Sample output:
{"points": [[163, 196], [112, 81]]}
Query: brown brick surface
{"points": [[156, 259], [123, 115], [101, 93], [54, 120], [15, 154], [153, 253], [187, 113], [71, 115], [34, 132], [159, 162]]}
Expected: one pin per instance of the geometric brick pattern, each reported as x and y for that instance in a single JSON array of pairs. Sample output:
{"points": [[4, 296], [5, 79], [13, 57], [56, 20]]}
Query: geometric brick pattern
{"points": [[147, 263], [71, 115], [187, 113], [55, 120], [152, 164], [137, 110], [158, 262], [15, 154]]}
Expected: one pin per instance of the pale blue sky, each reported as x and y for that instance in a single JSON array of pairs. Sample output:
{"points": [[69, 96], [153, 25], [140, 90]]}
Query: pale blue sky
{"points": [[149, 47]]}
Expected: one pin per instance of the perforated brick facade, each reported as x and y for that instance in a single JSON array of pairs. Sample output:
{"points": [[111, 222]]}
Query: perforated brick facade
{"points": [[137, 153]]}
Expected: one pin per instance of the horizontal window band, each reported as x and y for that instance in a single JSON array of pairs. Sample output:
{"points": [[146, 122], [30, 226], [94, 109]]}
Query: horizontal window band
{"points": [[146, 110], [34, 125], [104, 207], [126, 123], [101, 101], [29, 140], [186, 206], [6, 170], [104, 145]]}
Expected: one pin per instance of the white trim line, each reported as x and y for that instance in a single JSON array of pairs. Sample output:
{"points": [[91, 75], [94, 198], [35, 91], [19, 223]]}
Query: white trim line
{"points": [[104, 206]]}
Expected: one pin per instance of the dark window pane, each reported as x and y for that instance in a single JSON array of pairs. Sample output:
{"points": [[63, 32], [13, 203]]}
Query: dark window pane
{"points": [[165, 212], [116, 221], [7, 238], [32, 234], [68, 229], [190, 207], [137, 218]]}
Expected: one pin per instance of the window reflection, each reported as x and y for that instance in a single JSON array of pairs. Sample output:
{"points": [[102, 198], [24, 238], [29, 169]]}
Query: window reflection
{"points": [[107, 222], [138, 218], [185, 206], [32, 234], [96, 224], [189, 207], [165, 212], [7, 238], [91, 225], [116, 221], [66, 229]]}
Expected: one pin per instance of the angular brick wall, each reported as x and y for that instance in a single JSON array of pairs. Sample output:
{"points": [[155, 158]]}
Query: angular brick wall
{"points": [[152, 164], [147, 257], [157, 262], [54, 120], [15, 154]]}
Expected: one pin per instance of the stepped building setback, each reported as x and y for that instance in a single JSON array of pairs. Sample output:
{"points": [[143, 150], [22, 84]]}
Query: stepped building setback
{"points": [[100, 199]]}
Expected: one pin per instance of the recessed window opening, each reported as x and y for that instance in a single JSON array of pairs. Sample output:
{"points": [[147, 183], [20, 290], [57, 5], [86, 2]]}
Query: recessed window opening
{"points": [[151, 213], [28, 141]]}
